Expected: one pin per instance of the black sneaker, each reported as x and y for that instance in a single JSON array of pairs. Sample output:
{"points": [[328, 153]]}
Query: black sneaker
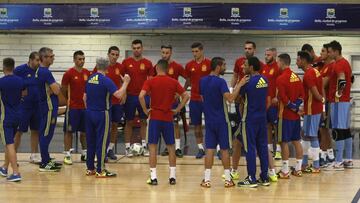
{"points": [[56, 164], [179, 153], [248, 182], [152, 181], [165, 152], [111, 156], [172, 181], [263, 182], [200, 154], [323, 162], [49, 167], [83, 157]]}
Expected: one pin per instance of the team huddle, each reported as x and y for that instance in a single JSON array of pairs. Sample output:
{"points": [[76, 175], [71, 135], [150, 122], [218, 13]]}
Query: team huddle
{"points": [[270, 100]]}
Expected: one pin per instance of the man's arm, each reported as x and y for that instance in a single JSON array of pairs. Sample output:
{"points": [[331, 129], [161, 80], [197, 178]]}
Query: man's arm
{"points": [[120, 93], [143, 103], [184, 99], [230, 97]]}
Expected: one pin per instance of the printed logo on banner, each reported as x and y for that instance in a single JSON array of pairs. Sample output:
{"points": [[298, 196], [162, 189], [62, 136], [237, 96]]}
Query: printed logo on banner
{"points": [[235, 12], [141, 12], [94, 12], [330, 13], [187, 12], [47, 13], [284, 13], [3, 13]]}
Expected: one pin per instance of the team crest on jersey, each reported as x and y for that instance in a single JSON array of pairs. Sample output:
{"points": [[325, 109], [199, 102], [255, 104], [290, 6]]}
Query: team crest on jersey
{"points": [[117, 71], [271, 71], [130, 66], [29, 75], [142, 66], [193, 69], [203, 68], [171, 71], [317, 73], [294, 78], [261, 83], [85, 77], [75, 77]]}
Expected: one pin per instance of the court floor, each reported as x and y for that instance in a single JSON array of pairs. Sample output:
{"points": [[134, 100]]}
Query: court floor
{"points": [[71, 184]]}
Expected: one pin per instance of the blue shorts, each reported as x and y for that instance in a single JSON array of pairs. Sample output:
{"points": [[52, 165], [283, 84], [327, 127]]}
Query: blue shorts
{"points": [[196, 111], [288, 130], [157, 128], [74, 120], [117, 113], [311, 125], [7, 132], [29, 117], [132, 104], [340, 115], [218, 134], [272, 115]]}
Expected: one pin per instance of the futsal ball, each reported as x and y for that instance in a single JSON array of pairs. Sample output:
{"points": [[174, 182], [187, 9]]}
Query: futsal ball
{"points": [[137, 149]]}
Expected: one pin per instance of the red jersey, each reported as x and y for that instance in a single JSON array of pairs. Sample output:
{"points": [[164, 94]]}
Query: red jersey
{"points": [[162, 90], [326, 71], [139, 71], [340, 66], [195, 71], [175, 70], [271, 72], [290, 88], [239, 67], [114, 72], [312, 77], [75, 82]]}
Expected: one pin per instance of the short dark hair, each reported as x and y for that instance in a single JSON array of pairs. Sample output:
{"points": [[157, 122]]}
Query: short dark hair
{"points": [[197, 45], [163, 65], [167, 46], [33, 55], [307, 47], [285, 58], [137, 41], [335, 45], [326, 46], [251, 42], [8, 64], [113, 48], [254, 62], [78, 53], [304, 55], [216, 61]]}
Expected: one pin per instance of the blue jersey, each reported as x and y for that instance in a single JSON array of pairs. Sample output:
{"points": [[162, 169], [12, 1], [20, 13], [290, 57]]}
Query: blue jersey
{"points": [[48, 101], [11, 87], [212, 89], [254, 93], [99, 90], [28, 75]]}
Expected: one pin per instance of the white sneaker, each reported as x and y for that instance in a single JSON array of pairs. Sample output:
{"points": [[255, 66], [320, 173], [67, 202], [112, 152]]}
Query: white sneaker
{"points": [[128, 152], [146, 152], [335, 167], [35, 158]]}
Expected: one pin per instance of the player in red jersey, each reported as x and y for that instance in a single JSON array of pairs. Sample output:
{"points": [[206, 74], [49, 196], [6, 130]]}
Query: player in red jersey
{"points": [[290, 96], [73, 88], [175, 70], [195, 70], [326, 150], [163, 90], [140, 69]]}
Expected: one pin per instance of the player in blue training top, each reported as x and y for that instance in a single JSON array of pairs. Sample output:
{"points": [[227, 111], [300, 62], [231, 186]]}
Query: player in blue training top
{"points": [[97, 97], [253, 126], [48, 91], [11, 88], [215, 92], [29, 107]]}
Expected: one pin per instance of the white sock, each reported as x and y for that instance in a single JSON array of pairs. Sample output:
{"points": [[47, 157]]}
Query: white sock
{"points": [[127, 145], [67, 153], [272, 172], [298, 164], [285, 166], [143, 142], [218, 148], [207, 174], [172, 172], [323, 154], [330, 153], [233, 170], [84, 152], [177, 143], [278, 148], [153, 173], [227, 174], [271, 147], [200, 146], [111, 146]]}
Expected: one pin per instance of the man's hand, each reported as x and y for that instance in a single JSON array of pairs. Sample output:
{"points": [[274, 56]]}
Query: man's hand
{"points": [[244, 80], [126, 78]]}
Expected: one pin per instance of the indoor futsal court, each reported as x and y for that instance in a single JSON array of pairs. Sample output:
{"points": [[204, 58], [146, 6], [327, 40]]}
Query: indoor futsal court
{"points": [[179, 101]]}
